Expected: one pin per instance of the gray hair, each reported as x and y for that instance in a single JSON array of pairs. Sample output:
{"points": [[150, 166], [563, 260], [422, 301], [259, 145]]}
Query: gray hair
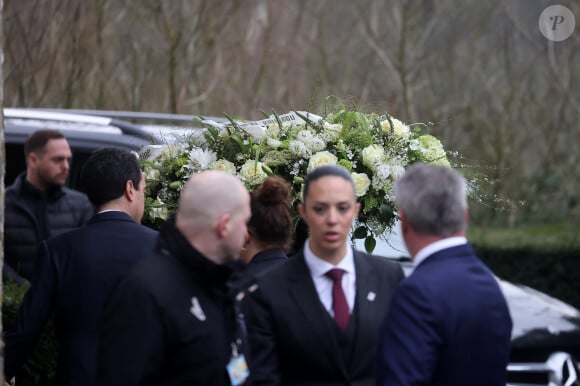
{"points": [[433, 199]]}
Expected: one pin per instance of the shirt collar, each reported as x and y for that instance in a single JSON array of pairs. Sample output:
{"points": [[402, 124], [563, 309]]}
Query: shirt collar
{"points": [[437, 246], [319, 267]]}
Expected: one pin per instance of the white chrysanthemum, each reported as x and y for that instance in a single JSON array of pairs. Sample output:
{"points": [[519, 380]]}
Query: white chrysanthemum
{"points": [[299, 148], [361, 183], [200, 159], [304, 136], [252, 172], [321, 158], [399, 129], [372, 155], [383, 171], [315, 144], [223, 165]]}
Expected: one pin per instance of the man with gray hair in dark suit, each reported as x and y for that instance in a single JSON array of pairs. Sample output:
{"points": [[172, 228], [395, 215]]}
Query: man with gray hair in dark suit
{"points": [[448, 323]]}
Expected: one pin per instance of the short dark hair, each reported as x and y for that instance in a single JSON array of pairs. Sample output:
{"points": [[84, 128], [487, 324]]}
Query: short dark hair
{"points": [[106, 172], [271, 220], [38, 140], [325, 171]]}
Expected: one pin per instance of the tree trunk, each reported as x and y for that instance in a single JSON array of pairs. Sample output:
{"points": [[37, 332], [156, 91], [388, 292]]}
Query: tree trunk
{"points": [[2, 172]]}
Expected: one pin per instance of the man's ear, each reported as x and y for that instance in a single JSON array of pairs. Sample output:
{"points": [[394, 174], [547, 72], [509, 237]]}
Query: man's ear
{"points": [[32, 158], [222, 226], [129, 190], [402, 220]]}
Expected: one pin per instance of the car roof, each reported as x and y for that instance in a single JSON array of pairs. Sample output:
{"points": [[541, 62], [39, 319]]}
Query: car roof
{"points": [[164, 127], [84, 134], [82, 131]]}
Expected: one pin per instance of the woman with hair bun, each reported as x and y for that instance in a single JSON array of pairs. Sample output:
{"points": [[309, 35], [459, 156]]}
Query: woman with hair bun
{"points": [[270, 227]]}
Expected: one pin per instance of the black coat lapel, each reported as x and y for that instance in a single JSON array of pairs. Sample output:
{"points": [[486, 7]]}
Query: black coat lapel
{"points": [[306, 298], [368, 307]]}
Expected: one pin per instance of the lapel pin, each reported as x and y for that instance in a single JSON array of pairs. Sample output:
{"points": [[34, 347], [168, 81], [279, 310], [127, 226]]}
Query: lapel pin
{"points": [[371, 296], [196, 309]]}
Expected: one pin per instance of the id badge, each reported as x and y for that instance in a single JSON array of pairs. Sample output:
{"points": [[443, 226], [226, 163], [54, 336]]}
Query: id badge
{"points": [[238, 370]]}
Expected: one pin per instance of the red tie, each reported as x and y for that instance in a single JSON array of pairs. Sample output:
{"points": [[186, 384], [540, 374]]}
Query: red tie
{"points": [[339, 305]]}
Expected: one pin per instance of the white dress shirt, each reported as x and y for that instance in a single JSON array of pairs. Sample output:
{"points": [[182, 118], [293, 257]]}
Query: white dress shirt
{"points": [[435, 247], [323, 283]]}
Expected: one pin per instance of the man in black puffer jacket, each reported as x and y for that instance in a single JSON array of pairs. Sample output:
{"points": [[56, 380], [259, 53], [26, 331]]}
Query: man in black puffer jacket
{"points": [[38, 206]]}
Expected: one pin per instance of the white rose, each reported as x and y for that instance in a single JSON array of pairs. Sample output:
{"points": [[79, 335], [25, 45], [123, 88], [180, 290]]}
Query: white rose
{"points": [[372, 155], [152, 174], [258, 132], [399, 129], [334, 130], [252, 172], [273, 143], [224, 166], [158, 210], [321, 158], [361, 183], [274, 131]]}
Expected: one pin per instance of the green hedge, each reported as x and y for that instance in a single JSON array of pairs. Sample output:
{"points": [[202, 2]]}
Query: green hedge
{"points": [[545, 257], [556, 273], [40, 369]]}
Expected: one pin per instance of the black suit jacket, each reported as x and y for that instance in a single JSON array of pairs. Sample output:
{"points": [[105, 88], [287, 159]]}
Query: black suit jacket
{"points": [[74, 275], [293, 339]]}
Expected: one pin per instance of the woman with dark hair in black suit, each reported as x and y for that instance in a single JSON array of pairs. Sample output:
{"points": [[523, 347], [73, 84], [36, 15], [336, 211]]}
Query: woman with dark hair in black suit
{"points": [[270, 227]]}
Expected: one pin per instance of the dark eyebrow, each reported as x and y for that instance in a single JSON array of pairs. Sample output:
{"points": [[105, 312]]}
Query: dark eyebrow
{"points": [[327, 204]]}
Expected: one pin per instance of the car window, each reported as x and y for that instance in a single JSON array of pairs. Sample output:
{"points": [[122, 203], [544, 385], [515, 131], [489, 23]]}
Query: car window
{"points": [[82, 137]]}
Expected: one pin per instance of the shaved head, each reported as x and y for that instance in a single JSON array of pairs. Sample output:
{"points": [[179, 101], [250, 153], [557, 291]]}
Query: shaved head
{"points": [[214, 209], [208, 195]]}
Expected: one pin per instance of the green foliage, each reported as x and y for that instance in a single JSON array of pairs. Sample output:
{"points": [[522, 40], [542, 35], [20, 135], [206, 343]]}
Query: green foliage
{"points": [[40, 369], [543, 237], [545, 257]]}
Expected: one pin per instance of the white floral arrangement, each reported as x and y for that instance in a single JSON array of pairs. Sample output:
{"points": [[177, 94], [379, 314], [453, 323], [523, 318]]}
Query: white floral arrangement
{"points": [[375, 148]]}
